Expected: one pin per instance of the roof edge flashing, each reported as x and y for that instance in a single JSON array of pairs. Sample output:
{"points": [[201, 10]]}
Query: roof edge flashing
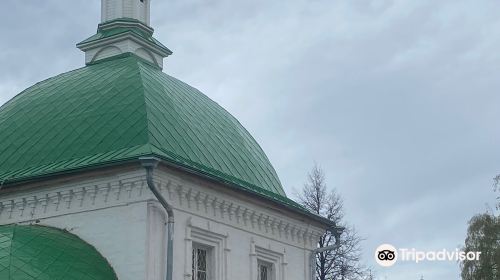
{"points": [[125, 23]]}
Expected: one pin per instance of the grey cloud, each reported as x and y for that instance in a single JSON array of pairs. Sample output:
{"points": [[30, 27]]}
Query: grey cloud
{"points": [[397, 100]]}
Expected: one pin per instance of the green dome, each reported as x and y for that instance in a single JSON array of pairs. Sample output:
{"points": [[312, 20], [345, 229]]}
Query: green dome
{"points": [[118, 110], [42, 253]]}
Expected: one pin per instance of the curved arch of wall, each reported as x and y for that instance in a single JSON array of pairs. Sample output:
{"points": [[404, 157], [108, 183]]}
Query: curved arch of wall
{"points": [[142, 52], [107, 52]]}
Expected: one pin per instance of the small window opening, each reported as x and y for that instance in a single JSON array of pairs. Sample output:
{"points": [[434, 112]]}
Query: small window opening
{"points": [[265, 271], [200, 264]]}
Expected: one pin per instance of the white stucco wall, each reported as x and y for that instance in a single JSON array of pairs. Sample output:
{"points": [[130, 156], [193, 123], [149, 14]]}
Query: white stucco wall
{"points": [[127, 44], [117, 214], [113, 9]]}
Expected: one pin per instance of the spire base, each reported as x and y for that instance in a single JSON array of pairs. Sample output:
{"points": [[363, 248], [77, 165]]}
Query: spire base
{"points": [[124, 35]]}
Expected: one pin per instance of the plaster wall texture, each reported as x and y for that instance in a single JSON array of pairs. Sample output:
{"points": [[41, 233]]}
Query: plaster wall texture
{"points": [[116, 212], [117, 47]]}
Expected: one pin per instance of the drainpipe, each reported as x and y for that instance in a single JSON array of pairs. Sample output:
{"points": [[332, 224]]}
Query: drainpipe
{"points": [[312, 259], [150, 163]]}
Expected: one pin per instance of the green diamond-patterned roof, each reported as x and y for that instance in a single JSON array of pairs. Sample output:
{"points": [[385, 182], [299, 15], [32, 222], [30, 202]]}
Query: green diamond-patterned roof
{"points": [[42, 253], [121, 109]]}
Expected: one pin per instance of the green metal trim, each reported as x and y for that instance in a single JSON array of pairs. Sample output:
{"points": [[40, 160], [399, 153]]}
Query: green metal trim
{"points": [[127, 20]]}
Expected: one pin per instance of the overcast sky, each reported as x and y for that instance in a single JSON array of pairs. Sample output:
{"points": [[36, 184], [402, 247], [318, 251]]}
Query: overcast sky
{"points": [[398, 101]]}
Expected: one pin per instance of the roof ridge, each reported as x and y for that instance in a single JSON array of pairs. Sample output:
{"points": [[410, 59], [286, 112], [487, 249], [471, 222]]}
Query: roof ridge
{"points": [[146, 107]]}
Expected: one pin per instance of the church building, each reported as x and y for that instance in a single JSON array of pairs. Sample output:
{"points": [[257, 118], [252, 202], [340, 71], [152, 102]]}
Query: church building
{"points": [[117, 170]]}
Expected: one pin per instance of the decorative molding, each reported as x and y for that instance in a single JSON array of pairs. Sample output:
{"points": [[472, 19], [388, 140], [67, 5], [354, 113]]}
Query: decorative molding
{"points": [[202, 235], [277, 259], [48, 202], [197, 200], [26, 206]]}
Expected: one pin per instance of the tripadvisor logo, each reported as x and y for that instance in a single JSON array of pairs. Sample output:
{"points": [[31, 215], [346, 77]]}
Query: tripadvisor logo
{"points": [[387, 255]]}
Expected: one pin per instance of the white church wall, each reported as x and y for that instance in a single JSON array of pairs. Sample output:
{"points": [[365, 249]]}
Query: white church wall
{"points": [[117, 214], [244, 224], [118, 233], [109, 212]]}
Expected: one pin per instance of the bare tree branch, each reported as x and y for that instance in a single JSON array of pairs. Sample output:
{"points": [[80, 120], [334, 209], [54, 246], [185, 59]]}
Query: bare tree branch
{"points": [[496, 188], [344, 262]]}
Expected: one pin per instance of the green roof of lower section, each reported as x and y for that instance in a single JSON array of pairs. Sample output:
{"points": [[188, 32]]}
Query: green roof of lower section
{"points": [[42, 253], [118, 110]]}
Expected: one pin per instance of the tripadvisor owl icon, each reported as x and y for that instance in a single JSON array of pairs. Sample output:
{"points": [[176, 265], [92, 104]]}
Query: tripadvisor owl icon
{"points": [[386, 255]]}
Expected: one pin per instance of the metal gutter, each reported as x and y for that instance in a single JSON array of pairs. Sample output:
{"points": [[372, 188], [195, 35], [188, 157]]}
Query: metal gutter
{"points": [[337, 231], [150, 163]]}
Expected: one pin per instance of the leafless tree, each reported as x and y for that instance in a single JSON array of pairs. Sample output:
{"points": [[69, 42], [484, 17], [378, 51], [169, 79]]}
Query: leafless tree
{"points": [[369, 275], [344, 262], [496, 188]]}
